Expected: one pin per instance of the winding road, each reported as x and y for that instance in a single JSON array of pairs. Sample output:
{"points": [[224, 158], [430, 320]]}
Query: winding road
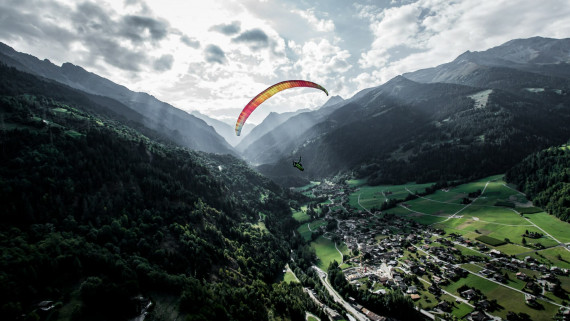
{"points": [[347, 306]]}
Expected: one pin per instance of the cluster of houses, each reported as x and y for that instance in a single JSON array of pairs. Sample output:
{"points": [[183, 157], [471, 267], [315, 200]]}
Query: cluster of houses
{"points": [[359, 229], [502, 260]]}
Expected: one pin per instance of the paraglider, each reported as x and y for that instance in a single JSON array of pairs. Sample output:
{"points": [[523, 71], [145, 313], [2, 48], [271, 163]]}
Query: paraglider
{"points": [[272, 90], [298, 164]]}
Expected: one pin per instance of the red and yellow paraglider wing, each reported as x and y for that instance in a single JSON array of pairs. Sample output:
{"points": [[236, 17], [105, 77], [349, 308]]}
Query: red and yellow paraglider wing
{"points": [[267, 93]]}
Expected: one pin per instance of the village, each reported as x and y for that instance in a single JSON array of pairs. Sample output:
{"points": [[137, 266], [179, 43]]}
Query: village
{"points": [[392, 252]]}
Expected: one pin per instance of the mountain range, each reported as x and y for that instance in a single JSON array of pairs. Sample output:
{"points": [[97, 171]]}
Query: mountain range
{"points": [[223, 129], [174, 124], [474, 116], [477, 115]]}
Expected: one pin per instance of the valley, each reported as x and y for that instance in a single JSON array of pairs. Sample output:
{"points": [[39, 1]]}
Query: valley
{"points": [[112, 198], [477, 249]]}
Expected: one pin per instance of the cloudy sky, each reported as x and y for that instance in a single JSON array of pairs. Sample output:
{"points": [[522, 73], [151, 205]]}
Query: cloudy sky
{"points": [[215, 55]]}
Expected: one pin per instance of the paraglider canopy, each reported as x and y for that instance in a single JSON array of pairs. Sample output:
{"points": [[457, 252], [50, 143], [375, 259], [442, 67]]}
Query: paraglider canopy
{"points": [[272, 90]]}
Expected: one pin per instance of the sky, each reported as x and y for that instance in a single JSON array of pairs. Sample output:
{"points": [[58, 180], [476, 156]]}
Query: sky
{"points": [[214, 56]]}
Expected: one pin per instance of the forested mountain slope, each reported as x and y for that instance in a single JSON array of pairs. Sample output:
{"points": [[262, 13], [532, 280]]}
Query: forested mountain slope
{"points": [[173, 123], [95, 213], [545, 178]]}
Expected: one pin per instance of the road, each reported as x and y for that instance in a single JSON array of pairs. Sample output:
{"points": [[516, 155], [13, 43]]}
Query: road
{"points": [[323, 277], [326, 308]]}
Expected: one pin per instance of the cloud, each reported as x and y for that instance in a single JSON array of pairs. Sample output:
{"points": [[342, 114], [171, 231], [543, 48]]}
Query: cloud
{"points": [[392, 27], [324, 25], [17, 24], [215, 54], [163, 63], [254, 38], [102, 30], [227, 29], [190, 42], [97, 32], [427, 33], [198, 53], [322, 62], [136, 28]]}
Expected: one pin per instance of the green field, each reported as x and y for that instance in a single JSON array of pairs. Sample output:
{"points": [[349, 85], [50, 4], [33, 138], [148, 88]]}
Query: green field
{"points": [[60, 110], [513, 281], [528, 210], [550, 257], [473, 186], [420, 218], [371, 196], [356, 182], [472, 229], [289, 277], [304, 228], [490, 224], [565, 282], [326, 252], [482, 284], [490, 240], [512, 249], [509, 299], [431, 207], [304, 232], [469, 227], [446, 197], [552, 225], [344, 249], [301, 216], [472, 267], [494, 215], [73, 133], [465, 251], [461, 309], [496, 191], [308, 186]]}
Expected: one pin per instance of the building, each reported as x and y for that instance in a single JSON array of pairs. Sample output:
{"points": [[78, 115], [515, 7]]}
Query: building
{"points": [[444, 306], [373, 316], [415, 297], [468, 294], [477, 316]]}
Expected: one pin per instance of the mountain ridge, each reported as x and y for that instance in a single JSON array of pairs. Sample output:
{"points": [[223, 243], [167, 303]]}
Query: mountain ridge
{"points": [[183, 128], [461, 127]]}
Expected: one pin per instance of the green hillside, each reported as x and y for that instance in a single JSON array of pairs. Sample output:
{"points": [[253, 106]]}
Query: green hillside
{"points": [[95, 213], [545, 178]]}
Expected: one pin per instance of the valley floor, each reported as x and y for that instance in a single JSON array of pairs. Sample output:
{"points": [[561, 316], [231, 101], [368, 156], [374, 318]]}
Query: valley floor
{"points": [[479, 246]]}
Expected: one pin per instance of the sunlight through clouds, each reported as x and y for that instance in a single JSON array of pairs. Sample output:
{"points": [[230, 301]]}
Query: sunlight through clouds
{"points": [[212, 55]]}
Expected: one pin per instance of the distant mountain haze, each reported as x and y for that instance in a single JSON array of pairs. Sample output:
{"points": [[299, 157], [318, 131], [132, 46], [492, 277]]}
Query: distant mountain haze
{"points": [[283, 131], [545, 56], [223, 129], [178, 125]]}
